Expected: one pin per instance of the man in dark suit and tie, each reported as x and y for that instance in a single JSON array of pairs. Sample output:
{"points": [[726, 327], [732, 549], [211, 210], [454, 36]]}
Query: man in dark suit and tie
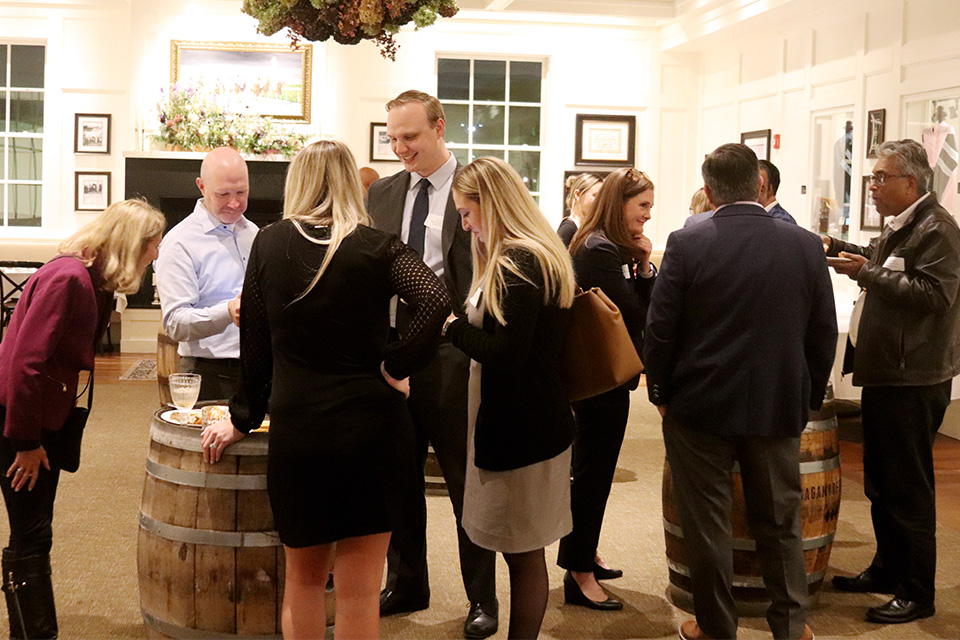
{"points": [[769, 185], [730, 389], [416, 205]]}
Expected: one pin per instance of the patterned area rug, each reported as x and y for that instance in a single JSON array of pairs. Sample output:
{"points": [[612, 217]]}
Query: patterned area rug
{"points": [[142, 370]]}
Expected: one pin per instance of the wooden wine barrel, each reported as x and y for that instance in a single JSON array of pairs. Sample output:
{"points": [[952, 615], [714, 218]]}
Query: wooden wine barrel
{"points": [[210, 564], [819, 509], [167, 361]]}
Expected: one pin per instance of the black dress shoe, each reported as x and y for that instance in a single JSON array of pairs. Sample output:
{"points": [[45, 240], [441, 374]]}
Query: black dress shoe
{"points": [[392, 603], [481, 622], [864, 582], [899, 610], [601, 573], [573, 595]]}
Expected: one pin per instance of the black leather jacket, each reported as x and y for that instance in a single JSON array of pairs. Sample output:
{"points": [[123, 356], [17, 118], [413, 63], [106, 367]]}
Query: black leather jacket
{"points": [[909, 333]]}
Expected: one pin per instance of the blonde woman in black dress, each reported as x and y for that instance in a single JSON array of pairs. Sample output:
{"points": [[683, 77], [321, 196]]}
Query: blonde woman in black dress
{"points": [[313, 349], [517, 490], [582, 190]]}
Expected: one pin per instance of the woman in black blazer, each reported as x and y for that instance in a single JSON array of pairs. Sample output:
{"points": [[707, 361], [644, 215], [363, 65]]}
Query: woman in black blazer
{"points": [[517, 490], [610, 252], [581, 191]]}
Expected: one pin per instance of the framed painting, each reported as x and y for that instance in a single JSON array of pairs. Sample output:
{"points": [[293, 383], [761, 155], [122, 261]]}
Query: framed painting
{"points": [[271, 80], [91, 190], [876, 128], [91, 133], [380, 150], [605, 140], [759, 141], [870, 220]]}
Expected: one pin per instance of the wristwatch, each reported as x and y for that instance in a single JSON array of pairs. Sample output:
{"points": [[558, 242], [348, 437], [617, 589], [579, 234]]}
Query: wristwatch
{"points": [[446, 325]]}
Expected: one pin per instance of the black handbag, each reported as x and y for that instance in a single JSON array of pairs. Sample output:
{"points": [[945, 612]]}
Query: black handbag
{"points": [[63, 446]]}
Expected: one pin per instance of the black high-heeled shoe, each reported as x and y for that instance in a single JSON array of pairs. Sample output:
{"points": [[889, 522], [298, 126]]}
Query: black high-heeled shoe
{"points": [[572, 594], [601, 573]]}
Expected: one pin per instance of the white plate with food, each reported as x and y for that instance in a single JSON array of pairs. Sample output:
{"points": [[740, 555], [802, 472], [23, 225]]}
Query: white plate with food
{"points": [[191, 418]]}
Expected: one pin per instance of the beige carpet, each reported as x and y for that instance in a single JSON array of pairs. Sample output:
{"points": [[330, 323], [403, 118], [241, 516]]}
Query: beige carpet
{"points": [[95, 572]]}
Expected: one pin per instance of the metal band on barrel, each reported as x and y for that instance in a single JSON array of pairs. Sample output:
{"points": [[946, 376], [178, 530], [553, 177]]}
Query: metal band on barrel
{"points": [[206, 480], [173, 630], [208, 536], [807, 468], [749, 582], [739, 544], [815, 426], [178, 437]]}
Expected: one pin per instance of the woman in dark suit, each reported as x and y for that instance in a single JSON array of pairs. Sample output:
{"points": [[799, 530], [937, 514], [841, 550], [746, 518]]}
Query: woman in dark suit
{"points": [[582, 190], [59, 318], [314, 327], [517, 491], [611, 252]]}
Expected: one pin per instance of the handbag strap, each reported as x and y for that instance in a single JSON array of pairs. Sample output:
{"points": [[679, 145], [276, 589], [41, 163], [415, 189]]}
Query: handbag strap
{"points": [[88, 390]]}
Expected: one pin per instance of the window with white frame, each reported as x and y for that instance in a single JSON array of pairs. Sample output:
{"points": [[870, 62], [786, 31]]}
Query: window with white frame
{"points": [[21, 134], [494, 108]]}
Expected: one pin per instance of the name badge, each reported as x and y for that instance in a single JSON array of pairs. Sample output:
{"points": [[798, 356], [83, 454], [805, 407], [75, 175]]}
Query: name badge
{"points": [[434, 221], [895, 263], [626, 271], [475, 299]]}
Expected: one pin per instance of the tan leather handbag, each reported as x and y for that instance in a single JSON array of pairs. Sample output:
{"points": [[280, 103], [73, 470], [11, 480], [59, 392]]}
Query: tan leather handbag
{"points": [[599, 355]]}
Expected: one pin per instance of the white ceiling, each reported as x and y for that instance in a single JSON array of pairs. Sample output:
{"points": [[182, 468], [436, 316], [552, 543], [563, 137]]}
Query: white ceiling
{"points": [[664, 9]]}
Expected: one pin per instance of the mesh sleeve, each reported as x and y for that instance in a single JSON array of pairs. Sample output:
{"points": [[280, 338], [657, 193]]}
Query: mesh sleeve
{"points": [[427, 304], [249, 405]]}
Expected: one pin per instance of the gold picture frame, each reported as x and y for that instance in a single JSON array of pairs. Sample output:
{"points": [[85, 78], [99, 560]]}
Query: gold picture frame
{"points": [[270, 80]]}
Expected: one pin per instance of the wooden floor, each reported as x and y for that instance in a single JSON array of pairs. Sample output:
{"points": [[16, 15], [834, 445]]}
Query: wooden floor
{"points": [[946, 451]]}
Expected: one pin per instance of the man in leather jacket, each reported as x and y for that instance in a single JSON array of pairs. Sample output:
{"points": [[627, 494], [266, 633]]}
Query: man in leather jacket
{"points": [[906, 353]]}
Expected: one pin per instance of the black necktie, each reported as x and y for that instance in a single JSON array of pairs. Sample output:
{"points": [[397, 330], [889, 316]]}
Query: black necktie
{"points": [[421, 207]]}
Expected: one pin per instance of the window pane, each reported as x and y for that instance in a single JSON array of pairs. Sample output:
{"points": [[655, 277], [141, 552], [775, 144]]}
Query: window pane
{"points": [[24, 205], [458, 122], [3, 111], [525, 125], [461, 155], [480, 153], [453, 79], [525, 81], [3, 65], [26, 111], [489, 80], [3, 162], [488, 124], [26, 66], [527, 164], [26, 158]]}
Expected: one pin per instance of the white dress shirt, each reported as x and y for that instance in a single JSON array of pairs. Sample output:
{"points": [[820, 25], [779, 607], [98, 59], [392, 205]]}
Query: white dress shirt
{"points": [[438, 192], [200, 270]]}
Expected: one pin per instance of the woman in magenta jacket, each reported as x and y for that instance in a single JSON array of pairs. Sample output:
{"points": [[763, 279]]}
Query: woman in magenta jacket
{"points": [[60, 316]]}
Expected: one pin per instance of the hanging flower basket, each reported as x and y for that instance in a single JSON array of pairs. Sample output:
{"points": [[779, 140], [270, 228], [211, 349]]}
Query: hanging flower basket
{"points": [[347, 21]]}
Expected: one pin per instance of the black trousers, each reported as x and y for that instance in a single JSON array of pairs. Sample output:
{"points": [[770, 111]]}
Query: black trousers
{"points": [[899, 427], [438, 406], [30, 513], [701, 465], [600, 423], [218, 376]]}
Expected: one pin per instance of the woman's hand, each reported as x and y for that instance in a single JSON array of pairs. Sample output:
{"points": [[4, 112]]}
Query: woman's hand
{"points": [[218, 437], [403, 386], [642, 248], [26, 468]]}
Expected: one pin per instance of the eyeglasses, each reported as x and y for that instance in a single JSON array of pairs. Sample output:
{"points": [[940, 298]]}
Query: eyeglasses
{"points": [[880, 179]]}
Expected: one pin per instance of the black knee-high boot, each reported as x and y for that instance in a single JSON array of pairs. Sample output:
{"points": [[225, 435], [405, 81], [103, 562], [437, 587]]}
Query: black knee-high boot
{"points": [[28, 588]]}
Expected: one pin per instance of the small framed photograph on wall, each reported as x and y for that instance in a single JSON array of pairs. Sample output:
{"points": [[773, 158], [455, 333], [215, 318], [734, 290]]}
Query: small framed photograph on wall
{"points": [[759, 141], [870, 220], [876, 130], [605, 140], [91, 133], [380, 150], [92, 190]]}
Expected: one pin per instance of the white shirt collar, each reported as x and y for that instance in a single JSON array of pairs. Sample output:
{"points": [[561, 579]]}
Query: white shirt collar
{"points": [[771, 205], [438, 178], [896, 223], [209, 222]]}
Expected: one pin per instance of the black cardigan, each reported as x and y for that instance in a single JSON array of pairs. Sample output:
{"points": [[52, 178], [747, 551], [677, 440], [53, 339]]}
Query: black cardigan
{"points": [[524, 414]]}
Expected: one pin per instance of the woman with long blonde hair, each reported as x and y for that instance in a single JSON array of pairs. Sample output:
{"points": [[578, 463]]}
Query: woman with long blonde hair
{"points": [[60, 317], [581, 191], [610, 251], [517, 490], [313, 349]]}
